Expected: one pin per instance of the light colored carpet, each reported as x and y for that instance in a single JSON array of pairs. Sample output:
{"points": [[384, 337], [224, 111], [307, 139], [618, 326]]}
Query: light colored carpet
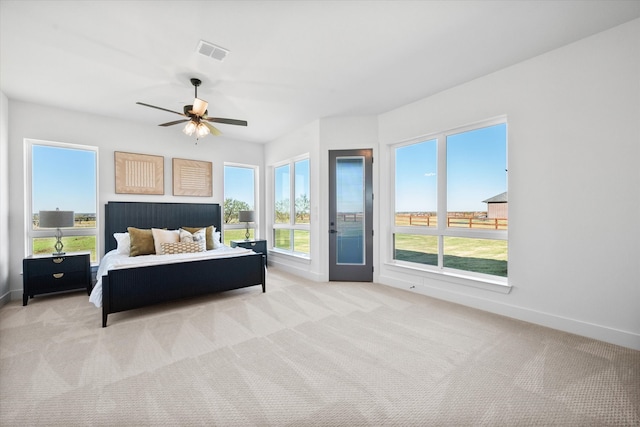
{"points": [[304, 353]]}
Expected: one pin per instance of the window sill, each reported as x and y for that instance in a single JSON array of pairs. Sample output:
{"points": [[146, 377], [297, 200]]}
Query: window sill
{"points": [[488, 283], [298, 256]]}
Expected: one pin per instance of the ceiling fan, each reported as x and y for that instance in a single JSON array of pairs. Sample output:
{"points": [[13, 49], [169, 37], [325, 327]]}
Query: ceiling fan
{"points": [[196, 116]]}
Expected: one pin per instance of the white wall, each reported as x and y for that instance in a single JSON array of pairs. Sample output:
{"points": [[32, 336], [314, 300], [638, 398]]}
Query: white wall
{"points": [[40, 122], [316, 139], [4, 200], [343, 133], [297, 143], [574, 156]]}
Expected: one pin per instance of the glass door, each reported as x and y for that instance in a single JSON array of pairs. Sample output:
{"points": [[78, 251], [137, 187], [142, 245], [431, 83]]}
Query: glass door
{"points": [[350, 215]]}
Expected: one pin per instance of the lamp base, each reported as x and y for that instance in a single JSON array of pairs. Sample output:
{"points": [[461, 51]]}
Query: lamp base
{"points": [[58, 246]]}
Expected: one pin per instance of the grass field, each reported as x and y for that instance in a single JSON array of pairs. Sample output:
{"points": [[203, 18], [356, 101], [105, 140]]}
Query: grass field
{"points": [[478, 255], [44, 245], [236, 234]]}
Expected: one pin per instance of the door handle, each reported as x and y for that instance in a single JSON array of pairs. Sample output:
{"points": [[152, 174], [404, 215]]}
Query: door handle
{"points": [[333, 231]]}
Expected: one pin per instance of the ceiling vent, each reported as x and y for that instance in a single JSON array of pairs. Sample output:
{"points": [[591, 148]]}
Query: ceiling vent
{"points": [[211, 50]]}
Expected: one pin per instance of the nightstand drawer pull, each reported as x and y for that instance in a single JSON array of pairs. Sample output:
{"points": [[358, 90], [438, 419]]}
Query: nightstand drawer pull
{"points": [[57, 260], [58, 275]]}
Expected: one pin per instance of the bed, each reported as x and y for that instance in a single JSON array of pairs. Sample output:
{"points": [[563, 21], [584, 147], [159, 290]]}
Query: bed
{"points": [[155, 282]]}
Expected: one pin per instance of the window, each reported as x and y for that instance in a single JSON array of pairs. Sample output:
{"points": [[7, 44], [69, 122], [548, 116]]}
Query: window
{"points": [[292, 219], [239, 195], [62, 176], [451, 201]]}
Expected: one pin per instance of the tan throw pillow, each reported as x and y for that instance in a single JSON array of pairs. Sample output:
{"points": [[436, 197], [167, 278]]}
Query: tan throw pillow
{"points": [[164, 236], [141, 241], [180, 248], [209, 233]]}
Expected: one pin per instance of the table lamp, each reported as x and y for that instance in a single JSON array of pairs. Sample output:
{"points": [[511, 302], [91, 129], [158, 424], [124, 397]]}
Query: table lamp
{"points": [[56, 219], [247, 217]]}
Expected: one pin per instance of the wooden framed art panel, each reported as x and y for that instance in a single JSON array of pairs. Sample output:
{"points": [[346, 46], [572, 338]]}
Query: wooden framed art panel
{"points": [[192, 178], [139, 173]]}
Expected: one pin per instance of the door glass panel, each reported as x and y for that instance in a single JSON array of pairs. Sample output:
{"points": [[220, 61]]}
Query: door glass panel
{"points": [[350, 203]]}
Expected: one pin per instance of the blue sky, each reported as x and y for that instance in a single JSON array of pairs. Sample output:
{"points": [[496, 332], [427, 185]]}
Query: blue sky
{"points": [[239, 184], [283, 180], [63, 178], [302, 178], [476, 163]]}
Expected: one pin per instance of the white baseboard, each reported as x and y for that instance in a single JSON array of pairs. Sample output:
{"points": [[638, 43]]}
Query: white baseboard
{"points": [[4, 299], [553, 321], [302, 270]]}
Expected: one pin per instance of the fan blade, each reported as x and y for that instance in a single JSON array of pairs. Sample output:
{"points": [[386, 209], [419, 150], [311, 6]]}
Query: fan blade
{"points": [[160, 108], [226, 121], [214, 131], [174, 123]]}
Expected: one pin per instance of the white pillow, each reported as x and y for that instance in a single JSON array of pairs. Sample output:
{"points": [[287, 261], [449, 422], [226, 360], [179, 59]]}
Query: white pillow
{"points": [[216, 239], [199, 237], [164, 236], [124, 243]]}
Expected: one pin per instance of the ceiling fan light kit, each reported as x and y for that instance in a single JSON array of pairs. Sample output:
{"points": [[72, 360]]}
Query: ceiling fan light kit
{"points": [[196, 116], [200, 129]]}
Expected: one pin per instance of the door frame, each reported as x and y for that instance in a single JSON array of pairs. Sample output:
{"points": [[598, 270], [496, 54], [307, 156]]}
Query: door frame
{"points": [[351, 272]]}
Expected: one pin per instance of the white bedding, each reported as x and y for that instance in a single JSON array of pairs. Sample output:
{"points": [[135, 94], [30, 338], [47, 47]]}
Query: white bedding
{"points": [[113, 260]]}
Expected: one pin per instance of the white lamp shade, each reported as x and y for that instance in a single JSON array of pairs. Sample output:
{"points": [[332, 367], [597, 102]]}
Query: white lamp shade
{"points": [[199, 107], [246, 216], [56, 219]]}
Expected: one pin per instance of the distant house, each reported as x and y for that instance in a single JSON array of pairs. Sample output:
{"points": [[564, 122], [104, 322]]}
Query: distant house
{"points": [[497, 206]]}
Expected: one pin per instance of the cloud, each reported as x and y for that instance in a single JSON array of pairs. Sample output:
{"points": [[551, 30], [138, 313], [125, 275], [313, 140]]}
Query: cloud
{"points": [[430, 174]]}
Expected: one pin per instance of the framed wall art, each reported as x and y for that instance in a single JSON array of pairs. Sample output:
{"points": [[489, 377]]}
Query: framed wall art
{"points": [[139, 173], [192, 178]]}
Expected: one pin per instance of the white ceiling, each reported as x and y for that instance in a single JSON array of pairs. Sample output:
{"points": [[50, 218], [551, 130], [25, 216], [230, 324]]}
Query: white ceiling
{"points": [[291, 62]]}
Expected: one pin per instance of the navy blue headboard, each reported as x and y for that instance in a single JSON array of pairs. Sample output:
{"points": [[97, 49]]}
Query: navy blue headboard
{"points": [[120, 215]]}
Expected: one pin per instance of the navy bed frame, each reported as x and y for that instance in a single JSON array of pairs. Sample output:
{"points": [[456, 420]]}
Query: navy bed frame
{"points": [[131, 288]]}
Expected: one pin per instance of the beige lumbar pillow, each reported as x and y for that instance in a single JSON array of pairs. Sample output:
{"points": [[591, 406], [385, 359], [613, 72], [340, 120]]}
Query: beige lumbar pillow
{"points": [[180, 248]]}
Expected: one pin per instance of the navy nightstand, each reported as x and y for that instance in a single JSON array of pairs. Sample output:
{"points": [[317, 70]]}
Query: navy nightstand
{"points": [[259, 246]]}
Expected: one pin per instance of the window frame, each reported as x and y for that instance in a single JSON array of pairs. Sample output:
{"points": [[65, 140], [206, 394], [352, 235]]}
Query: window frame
{"points": [[292, 225], [29, 232], [441, 230], [256, 206]]}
